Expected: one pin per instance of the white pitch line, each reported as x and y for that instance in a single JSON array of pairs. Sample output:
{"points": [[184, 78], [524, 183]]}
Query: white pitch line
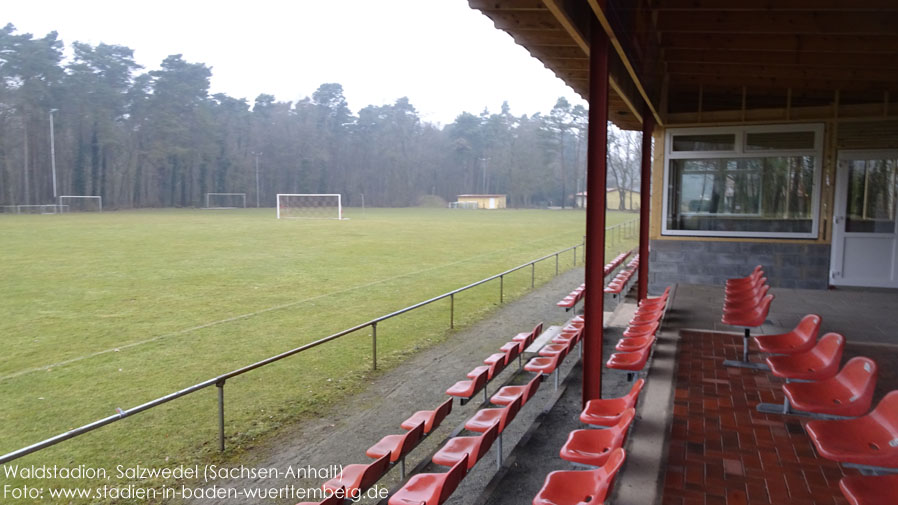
{"points": [[235, 318]]}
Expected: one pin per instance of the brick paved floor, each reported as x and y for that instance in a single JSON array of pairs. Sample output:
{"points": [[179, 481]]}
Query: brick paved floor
{"points": [[722, 451]]}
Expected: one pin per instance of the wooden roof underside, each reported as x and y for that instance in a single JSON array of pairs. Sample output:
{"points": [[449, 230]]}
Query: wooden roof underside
{"points": [[718, 54], [551, 35]]}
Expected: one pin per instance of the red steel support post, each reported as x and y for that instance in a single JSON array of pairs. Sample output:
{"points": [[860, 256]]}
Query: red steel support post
{"points": [[596, 158], [645, 185]]}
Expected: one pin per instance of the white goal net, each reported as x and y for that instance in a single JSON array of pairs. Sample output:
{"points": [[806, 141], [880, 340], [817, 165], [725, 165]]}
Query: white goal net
{"points": [[225, 201], [463, 205], [309, 206], [80, 203]]}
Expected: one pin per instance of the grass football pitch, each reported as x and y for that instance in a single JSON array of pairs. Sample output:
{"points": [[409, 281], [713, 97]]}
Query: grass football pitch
{"points": [[106, 311]]}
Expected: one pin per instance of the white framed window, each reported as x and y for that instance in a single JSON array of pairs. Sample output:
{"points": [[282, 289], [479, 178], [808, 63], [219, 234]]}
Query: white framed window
{"points": [[743, 181]]}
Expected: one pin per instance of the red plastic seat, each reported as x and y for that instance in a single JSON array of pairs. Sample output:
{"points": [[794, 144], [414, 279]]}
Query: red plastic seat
{"points": [[801, 339], [580, 487], [849, 393], [508, 394], [547, 364], [646, 318], [870, 490], [608, 411], [356, 479], [867, 440], [397, 446], [821, 362], [641, 330], [553, 349], [747, 303], [756, 272], [468, 388], [750, 318], [430, 488], [749, 294], [634, 344], [660, 300], [484, 419], [568, 334], [473, 447], [335, 498], [528, 338], [510, 351], [513, 345], [752, 278], [431, 418], [593, 447], [631, 361], [491, 370]]}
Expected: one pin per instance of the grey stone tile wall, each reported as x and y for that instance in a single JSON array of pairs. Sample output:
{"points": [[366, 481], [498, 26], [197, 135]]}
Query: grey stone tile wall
{"points": [[788, 265]]}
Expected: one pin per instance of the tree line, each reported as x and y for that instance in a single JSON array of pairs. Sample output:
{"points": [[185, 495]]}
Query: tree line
{"points": [[159, 139]]}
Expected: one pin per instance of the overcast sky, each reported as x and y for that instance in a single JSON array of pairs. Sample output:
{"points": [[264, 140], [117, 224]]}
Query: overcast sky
{"points": [[446, 57]]}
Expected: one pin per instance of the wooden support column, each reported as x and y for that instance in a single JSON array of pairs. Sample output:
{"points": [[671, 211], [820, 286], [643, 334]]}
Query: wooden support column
{"points": [[596, 160], [645, 185]]}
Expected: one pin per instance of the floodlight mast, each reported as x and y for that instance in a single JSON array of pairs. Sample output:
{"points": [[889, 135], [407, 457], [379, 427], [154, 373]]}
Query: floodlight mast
{"points": [[53, 153], [257, 177]]}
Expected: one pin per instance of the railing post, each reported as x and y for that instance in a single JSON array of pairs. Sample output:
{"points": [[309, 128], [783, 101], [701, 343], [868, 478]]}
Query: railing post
{"points": [[556, 264], [452, 311], [575, 255], [221, 434], [532, 275], [374, 346], [501, 289]]}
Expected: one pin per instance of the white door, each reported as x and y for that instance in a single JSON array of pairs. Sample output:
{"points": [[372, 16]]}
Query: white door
{"points": [[865, 237], [492, 203]]}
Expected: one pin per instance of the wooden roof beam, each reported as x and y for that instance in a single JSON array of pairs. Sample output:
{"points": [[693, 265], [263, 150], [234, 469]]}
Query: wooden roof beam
{"points": [[886, 44], [678, 81], [819, 23], [773, 5], [797, 58], [735, 72]]}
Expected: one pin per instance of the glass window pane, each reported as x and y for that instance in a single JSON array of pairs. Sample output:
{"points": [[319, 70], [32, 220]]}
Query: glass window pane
{"points": [[707, 142], [770, 194], [766, 141], [871, 196]]}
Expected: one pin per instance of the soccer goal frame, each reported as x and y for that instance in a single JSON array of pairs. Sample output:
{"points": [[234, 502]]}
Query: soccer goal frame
{"points": [[464, 205], [67, 208], [283, 215], [241, 195]]}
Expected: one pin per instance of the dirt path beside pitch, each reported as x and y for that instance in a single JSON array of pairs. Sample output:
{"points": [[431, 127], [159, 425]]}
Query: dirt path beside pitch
{"points": [[341, 435]]}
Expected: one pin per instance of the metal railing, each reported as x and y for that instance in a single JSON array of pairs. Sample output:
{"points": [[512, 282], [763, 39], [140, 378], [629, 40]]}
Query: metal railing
{"points": [[628, 229], [219, 381]]}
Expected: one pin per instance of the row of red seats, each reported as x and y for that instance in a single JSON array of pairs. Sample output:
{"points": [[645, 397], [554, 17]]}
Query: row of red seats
{"points": [[570, 301], [616, 262], [746, 303], [859, 438], [602, 448], [459, 453], [636, 345], [550, 357], [622, 282]]}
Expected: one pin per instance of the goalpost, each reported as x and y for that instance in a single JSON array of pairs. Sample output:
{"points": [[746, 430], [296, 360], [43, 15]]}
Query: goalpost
{"points": [[80, 203], [225, 201], [309, 206]]}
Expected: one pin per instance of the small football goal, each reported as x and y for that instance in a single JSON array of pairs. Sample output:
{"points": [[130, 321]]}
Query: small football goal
{"points": [[80, 203], [463, 205], [45, 208], [225, 201], [309, 206]]}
